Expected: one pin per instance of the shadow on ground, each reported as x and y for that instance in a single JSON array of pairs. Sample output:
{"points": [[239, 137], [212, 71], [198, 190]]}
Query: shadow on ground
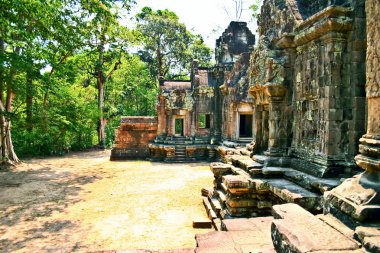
{"points": [[29, 196]]}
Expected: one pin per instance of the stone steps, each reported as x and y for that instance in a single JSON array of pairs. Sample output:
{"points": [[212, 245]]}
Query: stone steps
{"points": [[261, 193], [293, 193], [310, 182], [180, 160]]}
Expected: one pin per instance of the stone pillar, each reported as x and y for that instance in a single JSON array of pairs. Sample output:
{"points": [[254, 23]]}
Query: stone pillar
{"points": [[369, 148], [257, 123], [162, 128], [169, 124], [276, 94], [359, 197], [264, 128]]}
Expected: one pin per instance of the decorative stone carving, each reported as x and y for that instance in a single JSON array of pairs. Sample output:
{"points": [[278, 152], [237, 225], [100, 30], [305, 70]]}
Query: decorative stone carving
{"points": [[359, 197], [178, 99]]}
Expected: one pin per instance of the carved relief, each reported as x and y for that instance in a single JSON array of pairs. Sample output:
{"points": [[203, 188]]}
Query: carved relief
{"points": [[373, 51]]}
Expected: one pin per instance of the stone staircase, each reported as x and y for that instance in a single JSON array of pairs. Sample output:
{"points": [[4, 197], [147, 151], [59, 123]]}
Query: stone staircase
{"points": [[180, 152]]}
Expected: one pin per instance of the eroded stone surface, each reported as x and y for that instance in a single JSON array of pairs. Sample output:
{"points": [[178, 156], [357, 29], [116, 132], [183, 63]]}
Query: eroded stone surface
{"points": [[300, 231]]}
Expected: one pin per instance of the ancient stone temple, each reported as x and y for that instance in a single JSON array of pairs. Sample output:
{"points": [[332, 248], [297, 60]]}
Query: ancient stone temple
{"points": [[288, 120], [190, 119]]}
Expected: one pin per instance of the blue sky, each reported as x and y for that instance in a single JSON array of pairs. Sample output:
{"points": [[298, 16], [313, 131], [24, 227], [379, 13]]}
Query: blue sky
{"points": [[203, 16]]}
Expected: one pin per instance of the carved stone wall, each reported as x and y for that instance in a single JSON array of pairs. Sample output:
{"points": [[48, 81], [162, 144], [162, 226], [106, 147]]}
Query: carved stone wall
{"points": [[307, 78], [235, 99]]}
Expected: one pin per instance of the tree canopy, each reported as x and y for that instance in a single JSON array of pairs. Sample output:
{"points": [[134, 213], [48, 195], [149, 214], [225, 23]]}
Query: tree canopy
{"points": [[168, 47], [69, 70]]}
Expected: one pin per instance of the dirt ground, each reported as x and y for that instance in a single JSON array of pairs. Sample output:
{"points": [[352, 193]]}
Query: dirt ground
{"points": [[84, 202]]}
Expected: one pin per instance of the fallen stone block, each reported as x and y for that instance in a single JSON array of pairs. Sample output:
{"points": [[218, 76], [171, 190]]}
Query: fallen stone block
{"points": [[248, 164], [206, 191], [238, 211], [215, 241], [207, 205], [289, 211], [300, 231], [337, 224], [293, 193], [372, 244], [220, 169], [254, 224], [202, 223], [215, 205], [235, 181], [217, 223], [264, 204], [239, 202]]}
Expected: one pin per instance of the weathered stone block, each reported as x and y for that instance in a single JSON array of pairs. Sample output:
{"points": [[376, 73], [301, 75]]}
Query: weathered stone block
{"points": [[300, 231], [235, 181]]}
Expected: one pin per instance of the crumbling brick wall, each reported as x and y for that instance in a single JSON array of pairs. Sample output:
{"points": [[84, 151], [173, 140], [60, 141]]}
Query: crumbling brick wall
{"points": [[133, 136]]}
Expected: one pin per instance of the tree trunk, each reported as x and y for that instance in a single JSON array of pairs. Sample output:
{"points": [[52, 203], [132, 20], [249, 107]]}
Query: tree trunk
{"points": [[7, 149], [29, 101], [160, 61], [101, 125], [2, 112], [100, 83]]}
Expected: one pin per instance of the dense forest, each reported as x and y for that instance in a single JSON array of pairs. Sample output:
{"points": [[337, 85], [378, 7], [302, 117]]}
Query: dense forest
{"points": [[70, 68]]}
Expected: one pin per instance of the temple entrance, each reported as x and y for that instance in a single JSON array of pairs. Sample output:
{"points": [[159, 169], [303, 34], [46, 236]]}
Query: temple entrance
{"points": [[178, 127], [245, 127]]}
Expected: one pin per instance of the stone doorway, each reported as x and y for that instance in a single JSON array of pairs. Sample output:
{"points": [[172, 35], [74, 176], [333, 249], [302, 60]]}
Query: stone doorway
{"points": [[178, 127], [245, 126]]}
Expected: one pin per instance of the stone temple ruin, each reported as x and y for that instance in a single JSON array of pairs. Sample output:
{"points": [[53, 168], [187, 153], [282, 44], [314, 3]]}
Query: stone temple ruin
{"points": [[289, 121]]}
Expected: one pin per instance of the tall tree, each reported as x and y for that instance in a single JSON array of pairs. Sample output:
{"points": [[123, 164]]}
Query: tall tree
{"points": [[106, 40], [36, 39], [167, 43]]}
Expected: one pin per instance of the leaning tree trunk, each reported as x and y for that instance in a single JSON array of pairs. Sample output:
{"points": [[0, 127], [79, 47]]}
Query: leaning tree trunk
{"points": [[7, 150], [8, 155]]}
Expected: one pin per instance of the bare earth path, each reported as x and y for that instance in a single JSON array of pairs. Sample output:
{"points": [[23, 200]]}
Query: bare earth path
{"points": [[83, 202]]}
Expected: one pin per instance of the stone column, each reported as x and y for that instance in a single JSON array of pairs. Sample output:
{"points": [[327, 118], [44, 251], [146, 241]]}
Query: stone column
{"points": [[162, 128], [359, 197], [264, 128], [170, 124], [369, 148], [276, 94]]}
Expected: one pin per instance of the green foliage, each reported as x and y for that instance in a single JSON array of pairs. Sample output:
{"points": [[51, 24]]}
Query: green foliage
{"points": [[255, 8], [56, 55], [131, 91], [168, 47]]}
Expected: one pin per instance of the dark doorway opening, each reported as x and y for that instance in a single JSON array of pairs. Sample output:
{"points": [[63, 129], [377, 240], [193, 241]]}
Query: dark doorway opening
{"points": [[178, 127], [245, 128]]}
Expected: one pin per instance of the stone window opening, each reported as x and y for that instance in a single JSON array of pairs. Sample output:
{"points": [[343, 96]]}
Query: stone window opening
{"points": [[204, 121]]}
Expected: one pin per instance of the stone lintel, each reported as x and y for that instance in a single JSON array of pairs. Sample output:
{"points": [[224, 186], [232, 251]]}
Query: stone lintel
{"points": [[323, 27], [329, 12]]}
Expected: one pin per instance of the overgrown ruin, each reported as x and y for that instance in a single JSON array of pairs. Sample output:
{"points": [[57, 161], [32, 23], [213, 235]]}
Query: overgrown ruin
{"points": [[284, 122]]}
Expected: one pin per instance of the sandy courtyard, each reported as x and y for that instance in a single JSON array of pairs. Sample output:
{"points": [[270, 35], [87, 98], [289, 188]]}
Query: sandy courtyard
{"points": [[83, 202]]}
